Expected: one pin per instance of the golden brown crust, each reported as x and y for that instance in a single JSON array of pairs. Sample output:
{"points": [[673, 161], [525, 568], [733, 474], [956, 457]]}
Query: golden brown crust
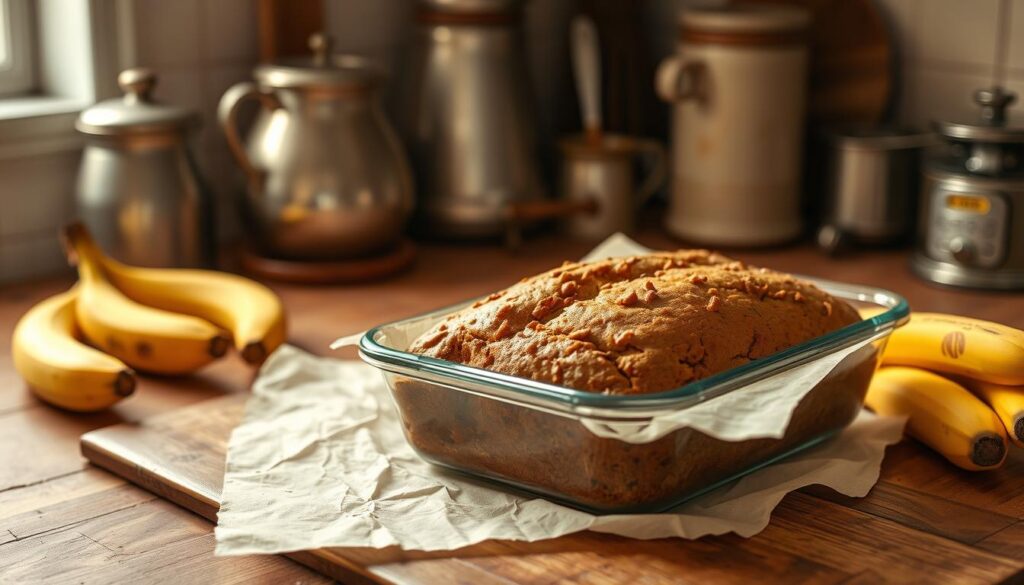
{"points": [[636, 325]]}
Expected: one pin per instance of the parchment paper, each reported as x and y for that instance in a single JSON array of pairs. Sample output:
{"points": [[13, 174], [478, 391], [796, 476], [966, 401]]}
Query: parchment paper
{"points": [[319, 460]]}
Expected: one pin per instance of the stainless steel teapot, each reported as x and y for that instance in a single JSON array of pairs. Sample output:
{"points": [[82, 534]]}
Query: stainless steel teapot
{"points": [[327, 176]]}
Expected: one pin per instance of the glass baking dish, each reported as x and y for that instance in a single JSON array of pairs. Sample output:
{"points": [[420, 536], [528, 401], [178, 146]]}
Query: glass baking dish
{"points": [[532, 435]]}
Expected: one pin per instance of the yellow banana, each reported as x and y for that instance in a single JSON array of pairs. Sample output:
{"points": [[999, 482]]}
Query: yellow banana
{"points": [[1006, 401], [941, 414], [146, 338], [250, 311], [959, 346], [58, 367]]}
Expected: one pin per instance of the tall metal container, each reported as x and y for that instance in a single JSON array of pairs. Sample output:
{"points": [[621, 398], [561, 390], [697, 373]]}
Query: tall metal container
{"points": [[467, 116], [139, 190]]}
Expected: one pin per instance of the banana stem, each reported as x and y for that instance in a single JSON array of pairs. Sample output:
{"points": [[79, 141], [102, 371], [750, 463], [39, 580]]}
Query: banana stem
{"points": [[82, 251]]}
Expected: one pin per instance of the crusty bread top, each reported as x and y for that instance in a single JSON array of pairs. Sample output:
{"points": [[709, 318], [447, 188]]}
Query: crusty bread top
{"points": [[636, 325]]}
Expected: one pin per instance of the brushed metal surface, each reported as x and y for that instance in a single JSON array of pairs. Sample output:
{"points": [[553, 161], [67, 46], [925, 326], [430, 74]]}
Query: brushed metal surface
{"points": [[467, 116], [138, 188], [328, 177], [144, 203]]}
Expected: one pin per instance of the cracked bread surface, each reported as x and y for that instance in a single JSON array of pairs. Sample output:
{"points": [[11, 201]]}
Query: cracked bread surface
{"points": [[636, 325]]}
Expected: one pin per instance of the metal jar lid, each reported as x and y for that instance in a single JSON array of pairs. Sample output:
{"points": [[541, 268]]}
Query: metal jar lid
{"points": [[744, 20], [992, 126], [324, 70], [136, 112]]}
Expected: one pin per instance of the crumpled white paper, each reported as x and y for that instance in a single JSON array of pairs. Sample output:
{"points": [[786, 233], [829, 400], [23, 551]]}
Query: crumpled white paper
{"points": [[759, 410], [319, 460]]}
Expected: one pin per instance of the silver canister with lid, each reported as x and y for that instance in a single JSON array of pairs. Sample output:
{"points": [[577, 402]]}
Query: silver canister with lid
{"points": [[971, 224], [139, 190]]}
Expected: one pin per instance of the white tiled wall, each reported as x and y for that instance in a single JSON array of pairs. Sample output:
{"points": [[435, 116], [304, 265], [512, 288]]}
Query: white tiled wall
{"points": [[947, 50], [198, 48]]}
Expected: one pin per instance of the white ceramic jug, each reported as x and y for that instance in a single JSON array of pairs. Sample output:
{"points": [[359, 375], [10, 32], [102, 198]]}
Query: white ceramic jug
{"points": [[738, 87]]}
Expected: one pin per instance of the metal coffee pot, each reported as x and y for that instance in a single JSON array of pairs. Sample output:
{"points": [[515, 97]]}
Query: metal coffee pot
{"points": [[138, 187], [467, 116], [327, 176]]}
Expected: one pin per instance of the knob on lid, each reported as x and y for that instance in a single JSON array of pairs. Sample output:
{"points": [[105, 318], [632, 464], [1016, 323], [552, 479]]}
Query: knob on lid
{"points": [[994, 124], [136, 112], [324, 69]]}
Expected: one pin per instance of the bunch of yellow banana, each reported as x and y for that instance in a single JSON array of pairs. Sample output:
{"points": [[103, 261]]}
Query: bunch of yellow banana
{"points": [[60, 368], [960, 382], [164, 321]]}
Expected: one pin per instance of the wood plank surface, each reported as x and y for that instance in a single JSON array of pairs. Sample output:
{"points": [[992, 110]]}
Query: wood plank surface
{"points": [[815, 536], [52, 502]]}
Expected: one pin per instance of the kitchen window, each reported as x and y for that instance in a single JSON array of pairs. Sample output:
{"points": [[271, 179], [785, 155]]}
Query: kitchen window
{"points": [[56, 58], [17, 70]]}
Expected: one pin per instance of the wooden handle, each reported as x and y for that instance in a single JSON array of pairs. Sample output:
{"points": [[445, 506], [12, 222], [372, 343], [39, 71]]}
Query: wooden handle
{"points": [[539, 210], [519, 214]]}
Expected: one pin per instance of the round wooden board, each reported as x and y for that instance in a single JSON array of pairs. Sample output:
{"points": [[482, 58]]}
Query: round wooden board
{"points": [[852, 61]]}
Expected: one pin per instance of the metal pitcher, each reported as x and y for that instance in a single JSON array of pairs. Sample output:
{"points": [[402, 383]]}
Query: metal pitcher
{"points": [[327, 176], [138, 188], [467, 116]]}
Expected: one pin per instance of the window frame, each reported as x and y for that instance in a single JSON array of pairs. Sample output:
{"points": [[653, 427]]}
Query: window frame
{"points": [[93, 51], [17, 71]]}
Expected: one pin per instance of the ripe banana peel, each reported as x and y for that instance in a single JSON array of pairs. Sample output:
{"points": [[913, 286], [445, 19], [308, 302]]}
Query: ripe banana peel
{"points": [[251, 312], [941, 414], [58, 367], [1006, 401], [143, 337], [958, 346]]}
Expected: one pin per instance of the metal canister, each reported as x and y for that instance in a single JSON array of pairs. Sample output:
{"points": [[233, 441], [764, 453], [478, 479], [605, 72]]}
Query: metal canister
{"points": [[138, 189], [467, 116], [873, 180]]}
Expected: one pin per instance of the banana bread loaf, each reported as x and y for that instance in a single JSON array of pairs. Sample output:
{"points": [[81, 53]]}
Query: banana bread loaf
{"points": [[636, 325]]}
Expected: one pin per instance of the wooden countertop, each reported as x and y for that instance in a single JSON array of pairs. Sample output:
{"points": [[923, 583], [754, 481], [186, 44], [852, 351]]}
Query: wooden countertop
{"points": [[61, 519]]}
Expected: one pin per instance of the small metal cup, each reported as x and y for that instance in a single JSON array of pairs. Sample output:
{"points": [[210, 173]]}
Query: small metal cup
{"points": [[602, 171], [599, 195]]}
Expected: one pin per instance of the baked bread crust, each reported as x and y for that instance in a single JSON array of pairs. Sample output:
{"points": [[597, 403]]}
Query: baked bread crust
{"points": [[636, 325]]}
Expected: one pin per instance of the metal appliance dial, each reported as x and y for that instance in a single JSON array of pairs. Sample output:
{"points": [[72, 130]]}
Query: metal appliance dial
{"points": [[961, 250]]}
